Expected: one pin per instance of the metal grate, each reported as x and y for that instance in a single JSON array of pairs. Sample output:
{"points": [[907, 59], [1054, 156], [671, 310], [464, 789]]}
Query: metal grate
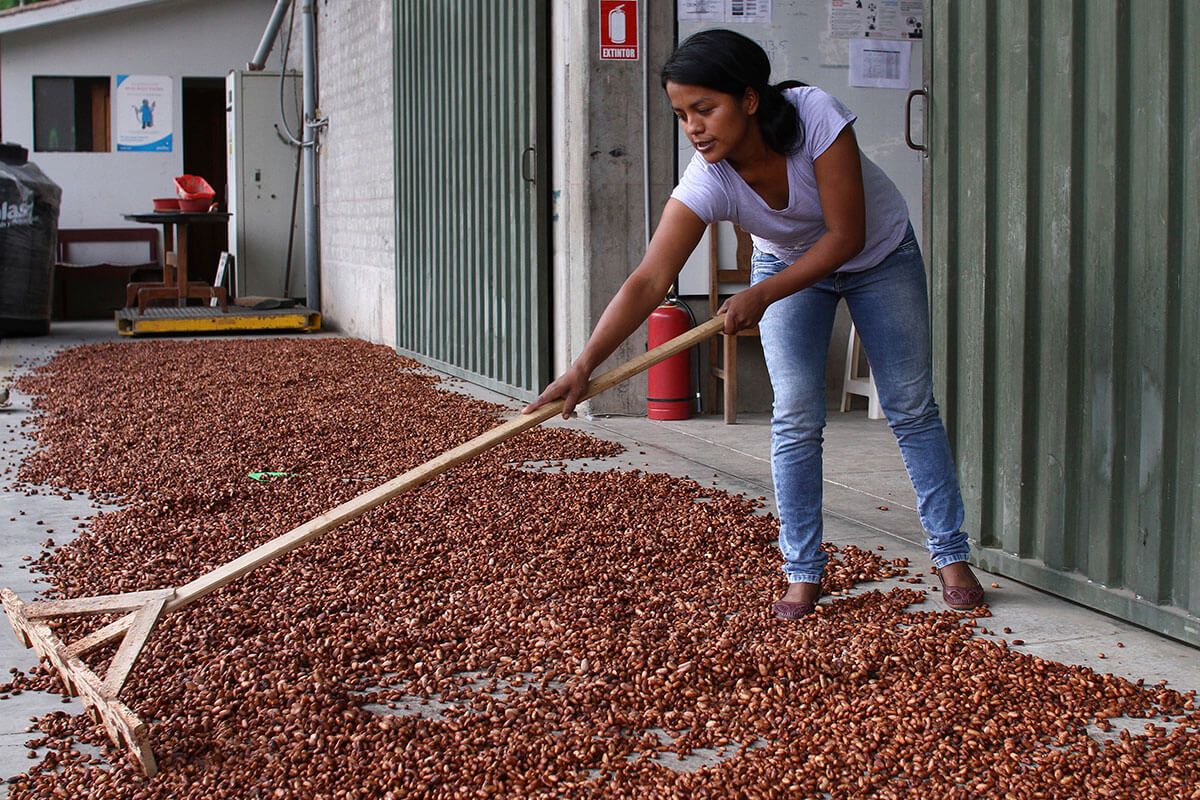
{"points": [[1065, 257], [472, 204]]}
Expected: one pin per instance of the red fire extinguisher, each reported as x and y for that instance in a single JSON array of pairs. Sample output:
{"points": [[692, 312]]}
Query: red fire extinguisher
{"points": [[669, 394]]}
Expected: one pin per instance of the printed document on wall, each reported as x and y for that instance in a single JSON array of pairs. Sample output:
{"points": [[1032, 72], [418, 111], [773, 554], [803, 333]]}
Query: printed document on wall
{"points": [[880, 63], [748, 11], [701, 10], [724, 10]]}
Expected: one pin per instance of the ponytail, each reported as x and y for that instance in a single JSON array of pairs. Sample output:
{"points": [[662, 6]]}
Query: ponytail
{"points": [[781, 128]]}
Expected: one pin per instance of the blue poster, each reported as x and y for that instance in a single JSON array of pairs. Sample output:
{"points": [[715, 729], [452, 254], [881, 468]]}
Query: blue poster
{"points": [[144, 113]]}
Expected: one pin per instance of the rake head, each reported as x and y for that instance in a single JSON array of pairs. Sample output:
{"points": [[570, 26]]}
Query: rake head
{"points": [[99, 695]]}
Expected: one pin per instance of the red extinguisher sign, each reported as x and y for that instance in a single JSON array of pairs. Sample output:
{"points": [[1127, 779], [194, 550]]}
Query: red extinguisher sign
{"points": [[618, 30]]}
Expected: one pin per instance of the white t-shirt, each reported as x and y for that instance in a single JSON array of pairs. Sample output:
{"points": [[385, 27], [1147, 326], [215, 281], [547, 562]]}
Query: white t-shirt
{"points": [[717, 192]]}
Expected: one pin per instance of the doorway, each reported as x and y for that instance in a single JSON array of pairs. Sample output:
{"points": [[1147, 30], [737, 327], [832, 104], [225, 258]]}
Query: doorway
{"points": [[474, 173], [204, 155]]}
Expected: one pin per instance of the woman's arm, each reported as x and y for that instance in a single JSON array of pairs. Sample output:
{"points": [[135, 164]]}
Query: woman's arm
{"points": [[677, 235], [840, 187]]}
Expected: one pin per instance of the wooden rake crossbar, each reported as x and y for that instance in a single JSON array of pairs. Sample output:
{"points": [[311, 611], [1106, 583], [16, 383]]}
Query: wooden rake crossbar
{"points": [[142, 610]]}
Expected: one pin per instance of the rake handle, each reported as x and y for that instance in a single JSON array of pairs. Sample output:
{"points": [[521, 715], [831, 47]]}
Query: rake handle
{"points": [[352, 509]]}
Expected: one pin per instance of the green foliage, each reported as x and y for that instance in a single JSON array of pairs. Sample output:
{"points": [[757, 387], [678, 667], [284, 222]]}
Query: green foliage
{"points": [[5, 4]]}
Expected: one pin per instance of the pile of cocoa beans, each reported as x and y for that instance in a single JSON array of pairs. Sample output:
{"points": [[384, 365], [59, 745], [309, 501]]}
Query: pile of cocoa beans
{"points": [[612, 603]]}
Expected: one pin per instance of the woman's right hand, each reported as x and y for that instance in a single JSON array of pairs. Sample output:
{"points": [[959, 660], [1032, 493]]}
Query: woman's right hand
{"points": [[569, 388], [678, 233]]}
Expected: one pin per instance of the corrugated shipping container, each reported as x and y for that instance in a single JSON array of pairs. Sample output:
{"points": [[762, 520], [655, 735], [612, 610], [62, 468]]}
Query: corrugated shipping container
{"points": [[472, 232], [1064, 243]]}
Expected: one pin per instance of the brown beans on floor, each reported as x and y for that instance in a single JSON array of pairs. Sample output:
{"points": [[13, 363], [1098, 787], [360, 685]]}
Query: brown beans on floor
{"points": [[567, 627]]}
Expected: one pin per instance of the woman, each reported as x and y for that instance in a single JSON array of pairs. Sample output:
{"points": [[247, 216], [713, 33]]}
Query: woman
{"points": [[783, 163]]}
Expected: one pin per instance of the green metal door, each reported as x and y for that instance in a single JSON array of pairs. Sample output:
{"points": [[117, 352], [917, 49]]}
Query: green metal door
{"points": [[1064, 242], [472, 223]]}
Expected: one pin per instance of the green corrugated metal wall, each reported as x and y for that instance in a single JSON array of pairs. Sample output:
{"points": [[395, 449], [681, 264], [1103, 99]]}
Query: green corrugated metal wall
{"points": [[472, 215], [1064, 239]]}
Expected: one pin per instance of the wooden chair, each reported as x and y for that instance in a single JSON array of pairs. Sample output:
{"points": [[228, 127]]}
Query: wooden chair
{"points": [[722, 349]]}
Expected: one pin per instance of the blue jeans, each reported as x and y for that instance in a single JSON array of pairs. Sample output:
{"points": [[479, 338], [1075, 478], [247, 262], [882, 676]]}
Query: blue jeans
{"points": [[890, 308]]}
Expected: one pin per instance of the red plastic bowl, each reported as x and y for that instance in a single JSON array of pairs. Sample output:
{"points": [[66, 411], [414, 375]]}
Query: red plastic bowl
{"points": [[166, 204], [195, 205], [193, 187]]}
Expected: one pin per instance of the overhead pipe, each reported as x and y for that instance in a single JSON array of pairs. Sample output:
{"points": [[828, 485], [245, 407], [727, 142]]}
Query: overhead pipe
{"points": [[269, 35], [308, 136]]}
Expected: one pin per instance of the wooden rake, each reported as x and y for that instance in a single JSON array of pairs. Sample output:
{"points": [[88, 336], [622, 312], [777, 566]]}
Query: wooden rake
{"points": [[142, 610]]}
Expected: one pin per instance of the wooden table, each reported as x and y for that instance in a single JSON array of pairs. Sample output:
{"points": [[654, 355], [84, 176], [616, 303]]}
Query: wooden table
{"points": [[175, 284]]}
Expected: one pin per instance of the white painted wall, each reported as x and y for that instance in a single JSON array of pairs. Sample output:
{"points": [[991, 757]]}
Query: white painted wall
{"points": [[357, 168], [180, 39]]}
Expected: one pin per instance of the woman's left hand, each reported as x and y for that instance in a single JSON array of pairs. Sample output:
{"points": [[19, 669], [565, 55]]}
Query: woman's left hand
{"points": [[744, 309]]}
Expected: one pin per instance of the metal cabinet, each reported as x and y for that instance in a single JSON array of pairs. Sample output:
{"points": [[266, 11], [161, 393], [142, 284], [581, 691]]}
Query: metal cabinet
{"points": [[266, 229]]}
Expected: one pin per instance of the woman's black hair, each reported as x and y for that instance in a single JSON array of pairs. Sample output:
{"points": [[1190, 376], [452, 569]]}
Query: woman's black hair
{"points": [[732, 63]]}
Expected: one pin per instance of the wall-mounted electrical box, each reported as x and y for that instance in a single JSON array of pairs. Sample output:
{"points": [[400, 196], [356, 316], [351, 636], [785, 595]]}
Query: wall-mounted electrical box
{"points": [[265, 196]]}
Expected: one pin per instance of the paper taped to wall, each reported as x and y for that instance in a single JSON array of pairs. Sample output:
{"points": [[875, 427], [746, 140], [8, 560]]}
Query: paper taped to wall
{"points": [[880, 64]]}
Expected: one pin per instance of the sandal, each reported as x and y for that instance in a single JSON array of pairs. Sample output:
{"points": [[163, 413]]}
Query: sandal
{"points": [[795, 609], [784, 609], [961, 598]]}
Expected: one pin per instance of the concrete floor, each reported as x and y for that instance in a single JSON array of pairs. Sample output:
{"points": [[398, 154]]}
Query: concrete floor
{"points": [[863, 472]]}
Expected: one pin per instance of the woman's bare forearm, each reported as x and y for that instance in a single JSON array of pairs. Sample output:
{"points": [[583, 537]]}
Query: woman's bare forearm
{"points": [[637, 297], [678, 233], [822, 259]]}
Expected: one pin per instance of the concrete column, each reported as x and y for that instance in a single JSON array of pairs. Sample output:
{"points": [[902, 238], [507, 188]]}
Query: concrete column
{"points": [[598, 170]]}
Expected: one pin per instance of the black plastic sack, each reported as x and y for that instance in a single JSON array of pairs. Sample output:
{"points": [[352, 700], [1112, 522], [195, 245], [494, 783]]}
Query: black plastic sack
{"points": [[29, 203]]}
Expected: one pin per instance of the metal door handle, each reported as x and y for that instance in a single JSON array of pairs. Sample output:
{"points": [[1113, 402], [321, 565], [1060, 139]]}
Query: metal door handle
{"points": [[908, 120], [528, 164]]}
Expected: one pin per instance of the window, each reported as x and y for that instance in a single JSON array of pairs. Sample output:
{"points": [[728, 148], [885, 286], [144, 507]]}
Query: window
{"points": [[71, 115]]}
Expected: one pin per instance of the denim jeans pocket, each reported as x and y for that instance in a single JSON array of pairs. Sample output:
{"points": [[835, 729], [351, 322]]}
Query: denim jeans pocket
{"points": [[763, 266], [909, 242]]}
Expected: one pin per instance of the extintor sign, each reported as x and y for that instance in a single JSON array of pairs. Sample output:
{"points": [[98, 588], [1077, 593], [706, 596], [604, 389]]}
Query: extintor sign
{"points": [[618, 30]]}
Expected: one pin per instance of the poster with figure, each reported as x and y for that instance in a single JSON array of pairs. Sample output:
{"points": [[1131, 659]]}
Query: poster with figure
{"points": [[876, 19], [144, 113]]}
